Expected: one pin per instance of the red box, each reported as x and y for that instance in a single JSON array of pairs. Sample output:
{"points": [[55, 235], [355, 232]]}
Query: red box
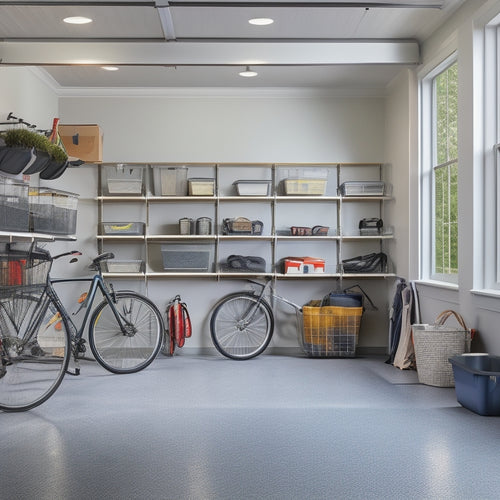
{"points": [[304, 265]]}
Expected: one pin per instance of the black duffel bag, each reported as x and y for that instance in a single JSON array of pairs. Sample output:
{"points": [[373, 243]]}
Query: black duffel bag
{"points": [[246, 263], [370, 263]]}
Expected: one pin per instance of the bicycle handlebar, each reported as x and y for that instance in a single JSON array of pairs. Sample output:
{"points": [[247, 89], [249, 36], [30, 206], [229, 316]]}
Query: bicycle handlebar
{"points": [[72, 252]]}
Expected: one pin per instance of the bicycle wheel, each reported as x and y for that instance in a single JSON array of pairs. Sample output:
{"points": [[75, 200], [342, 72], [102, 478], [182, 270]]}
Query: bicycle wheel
{"points": [[137, 347], [35, 351], [241, 326]]}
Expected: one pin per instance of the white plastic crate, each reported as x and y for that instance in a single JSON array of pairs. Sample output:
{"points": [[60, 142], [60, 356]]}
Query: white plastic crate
{"points": [[124, 266], [252, 187], [123, 179], [169, 180]]}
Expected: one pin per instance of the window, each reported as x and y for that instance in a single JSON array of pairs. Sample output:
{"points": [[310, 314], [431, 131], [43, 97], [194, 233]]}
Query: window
{"points": [[439, 229], [445, 203]]}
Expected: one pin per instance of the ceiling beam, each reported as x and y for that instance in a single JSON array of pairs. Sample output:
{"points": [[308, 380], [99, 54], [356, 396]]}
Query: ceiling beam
{"points": [[206, 54]]}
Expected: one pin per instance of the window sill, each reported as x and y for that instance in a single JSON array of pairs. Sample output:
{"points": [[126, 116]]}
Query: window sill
{"points": [[487, 299], [438, 284]]}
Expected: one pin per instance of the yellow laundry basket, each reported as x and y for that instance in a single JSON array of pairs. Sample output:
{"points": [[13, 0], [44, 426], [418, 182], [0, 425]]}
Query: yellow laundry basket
{"points": [[330, 331]]}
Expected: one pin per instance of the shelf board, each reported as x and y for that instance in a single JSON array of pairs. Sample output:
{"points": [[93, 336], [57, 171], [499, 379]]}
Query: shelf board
{"points": [[12, 236], [308, 238], [346, 199], [179, 274], [306, 275], [365, 238], [280, 276], [368, 275], [122, 237], [122, 198], [307, 198], [174, 199], [124, 275], [242, 198], [246, 237], [181, 237]]}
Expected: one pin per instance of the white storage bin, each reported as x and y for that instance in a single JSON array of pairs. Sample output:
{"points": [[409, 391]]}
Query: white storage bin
{"points": [[201, 186], [252, 188], [169, 180], [124, 266], [306, 187], [123, 179]]}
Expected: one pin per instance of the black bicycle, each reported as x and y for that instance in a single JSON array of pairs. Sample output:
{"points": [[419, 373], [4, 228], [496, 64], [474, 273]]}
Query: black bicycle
{"points": [[38, 336]]}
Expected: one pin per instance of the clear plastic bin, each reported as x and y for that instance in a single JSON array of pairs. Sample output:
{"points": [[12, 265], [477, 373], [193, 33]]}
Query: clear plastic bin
{"points": [[201, 186], [123, 179], [122, 228], [53, 211], [252, 188], [124, 266], [362, 188], [170, 181], [306, 187]]}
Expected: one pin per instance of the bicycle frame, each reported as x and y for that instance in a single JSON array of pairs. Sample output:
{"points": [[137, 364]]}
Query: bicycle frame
{"points": [[261, 298], [96, 283]]}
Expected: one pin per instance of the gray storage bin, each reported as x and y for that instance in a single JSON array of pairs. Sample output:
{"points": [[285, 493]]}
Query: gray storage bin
{"points": [[186, 258], [14, 205], [122, 228], [362, 188]]}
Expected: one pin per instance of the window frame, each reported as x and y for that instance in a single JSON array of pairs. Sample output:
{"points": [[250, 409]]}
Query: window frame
{"points": [[428, 164]]}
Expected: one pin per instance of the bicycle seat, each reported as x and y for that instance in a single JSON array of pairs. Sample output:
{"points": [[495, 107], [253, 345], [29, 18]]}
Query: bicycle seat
{"points": [[103, 256]]}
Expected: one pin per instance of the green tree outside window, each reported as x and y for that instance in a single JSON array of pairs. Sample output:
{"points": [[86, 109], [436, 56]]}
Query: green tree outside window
{"points": [[446, 172]]}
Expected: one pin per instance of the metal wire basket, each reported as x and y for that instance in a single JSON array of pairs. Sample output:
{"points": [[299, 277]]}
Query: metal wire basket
{"points": [[23, 268]]}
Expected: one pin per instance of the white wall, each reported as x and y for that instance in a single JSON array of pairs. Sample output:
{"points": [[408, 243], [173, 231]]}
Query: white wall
{"points": [[248, 128], [25, 94], [208, 128], [482, 313]]}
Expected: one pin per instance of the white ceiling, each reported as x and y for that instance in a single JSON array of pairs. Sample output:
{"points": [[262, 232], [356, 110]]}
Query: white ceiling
{"points": [[183, 43]]}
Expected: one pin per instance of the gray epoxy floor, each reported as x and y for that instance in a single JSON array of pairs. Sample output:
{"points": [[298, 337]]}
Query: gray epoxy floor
{"points": [[276, 427]]}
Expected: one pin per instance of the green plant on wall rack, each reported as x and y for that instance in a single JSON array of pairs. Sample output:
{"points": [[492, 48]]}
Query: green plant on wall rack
{"points": [[25, 148]]}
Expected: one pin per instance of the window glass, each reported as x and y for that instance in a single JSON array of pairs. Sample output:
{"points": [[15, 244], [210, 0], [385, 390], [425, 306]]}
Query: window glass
{"points": [[445, 175]]}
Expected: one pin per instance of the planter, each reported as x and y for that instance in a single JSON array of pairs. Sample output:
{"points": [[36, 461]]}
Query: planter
{"points": [[40, 163], [14, 160], [53, 170]]}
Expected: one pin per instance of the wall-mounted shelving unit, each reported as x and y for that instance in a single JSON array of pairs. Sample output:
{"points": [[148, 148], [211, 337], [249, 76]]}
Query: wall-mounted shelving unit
{"points": [[277, 211]]}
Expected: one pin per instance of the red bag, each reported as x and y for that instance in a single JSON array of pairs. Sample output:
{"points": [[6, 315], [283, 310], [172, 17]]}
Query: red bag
{"points": [[178, 325]]}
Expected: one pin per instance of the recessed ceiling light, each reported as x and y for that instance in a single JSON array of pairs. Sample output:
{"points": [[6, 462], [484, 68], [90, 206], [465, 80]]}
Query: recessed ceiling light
{"points": [[248, 72], [261, 21], [110, 68], [77, 20]]}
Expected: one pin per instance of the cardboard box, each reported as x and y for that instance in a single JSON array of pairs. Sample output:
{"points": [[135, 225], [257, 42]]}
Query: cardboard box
{"points": [[82, 141]]}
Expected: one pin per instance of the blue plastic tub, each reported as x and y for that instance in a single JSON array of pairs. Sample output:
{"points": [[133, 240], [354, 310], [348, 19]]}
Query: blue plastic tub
{"points": [[477, 382]]}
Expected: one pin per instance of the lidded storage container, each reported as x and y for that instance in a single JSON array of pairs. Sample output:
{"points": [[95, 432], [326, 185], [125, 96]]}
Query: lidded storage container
{"points": [[122, 179], [170, 180], [304, 181], [53, 211]]}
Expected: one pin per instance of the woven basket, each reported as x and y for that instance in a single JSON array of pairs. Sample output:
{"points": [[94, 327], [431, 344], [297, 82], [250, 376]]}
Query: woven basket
{"points": [[434, 344]]}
